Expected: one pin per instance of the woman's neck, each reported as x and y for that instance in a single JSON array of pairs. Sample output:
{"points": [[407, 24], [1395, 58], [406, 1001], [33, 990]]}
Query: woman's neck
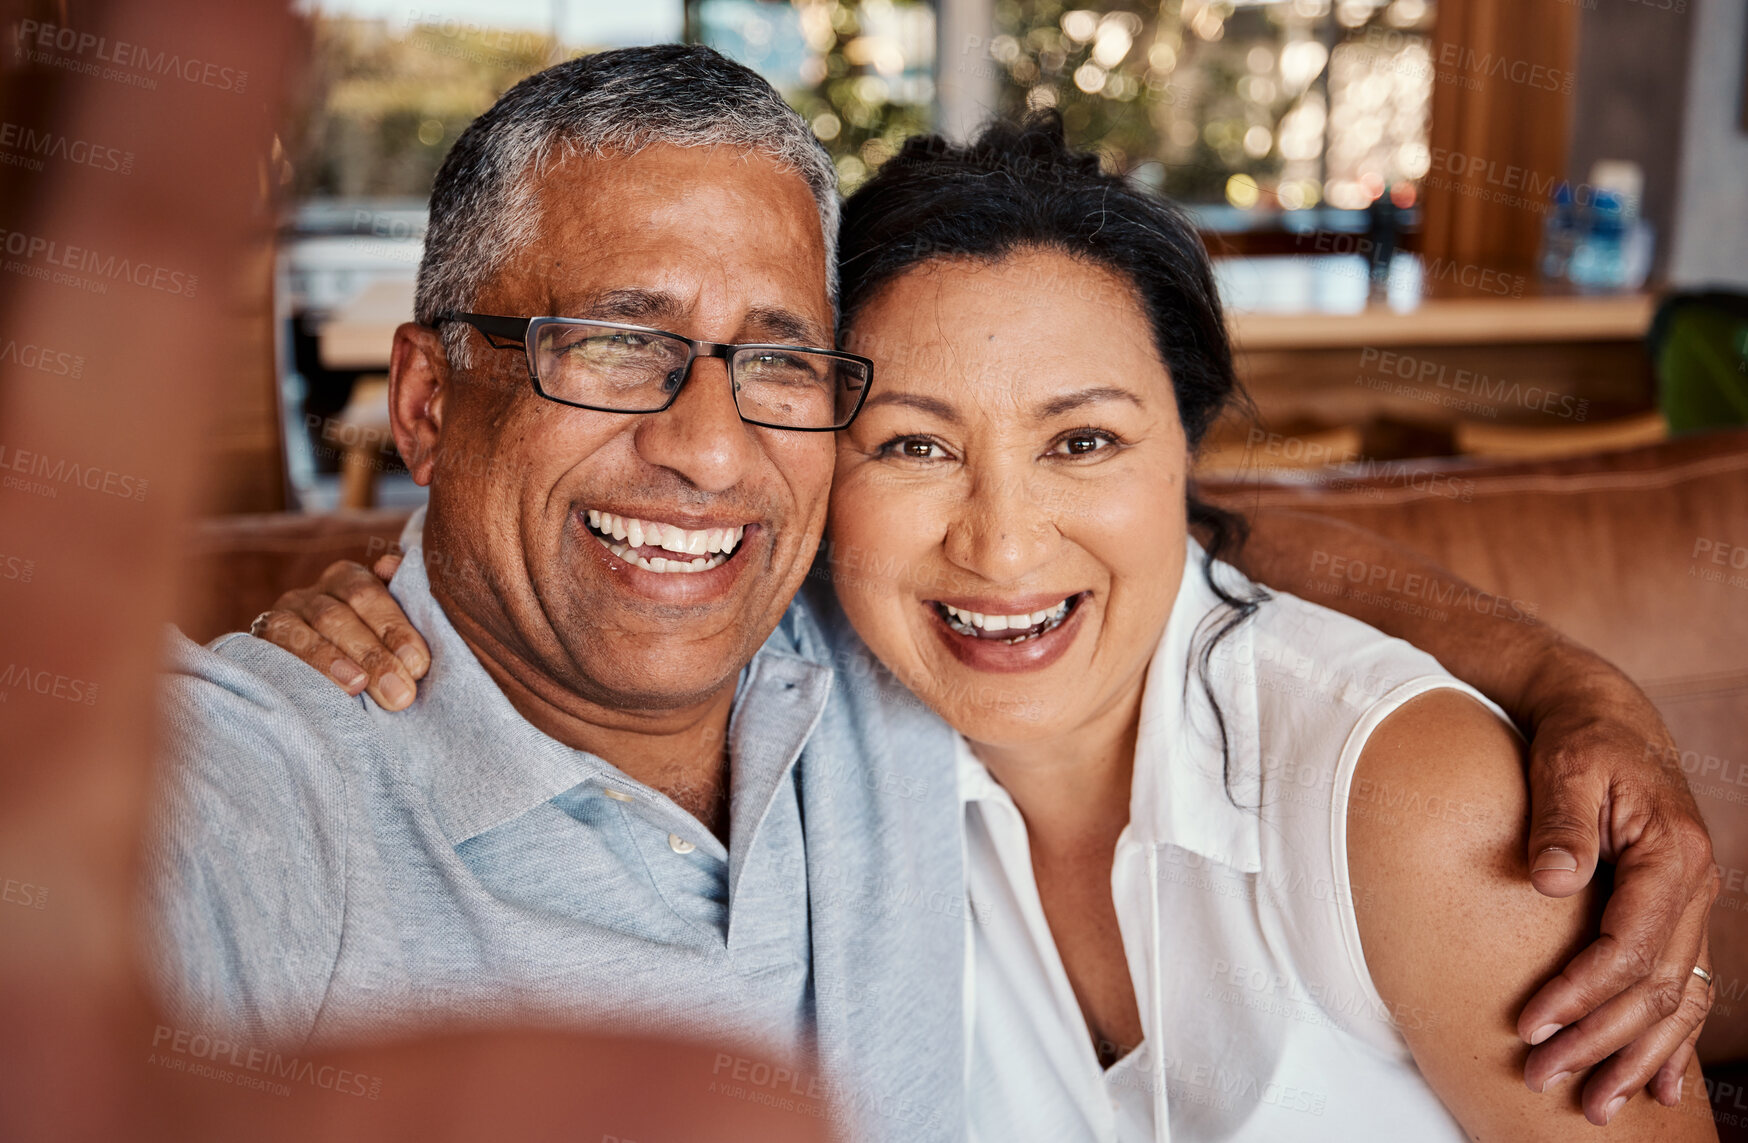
{"points": [[1073, 789]]}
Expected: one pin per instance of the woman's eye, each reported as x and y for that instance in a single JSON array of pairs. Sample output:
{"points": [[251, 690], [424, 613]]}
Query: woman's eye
{"points": [[1083, 442], [912, 448]]}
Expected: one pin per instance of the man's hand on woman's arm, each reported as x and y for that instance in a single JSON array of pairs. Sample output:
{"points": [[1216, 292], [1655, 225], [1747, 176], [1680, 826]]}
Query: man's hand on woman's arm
{"points": [[1453, 933], [1604, 784]]}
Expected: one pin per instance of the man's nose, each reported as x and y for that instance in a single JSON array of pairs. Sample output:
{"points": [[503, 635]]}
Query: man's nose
{"points": [[701, 437]]}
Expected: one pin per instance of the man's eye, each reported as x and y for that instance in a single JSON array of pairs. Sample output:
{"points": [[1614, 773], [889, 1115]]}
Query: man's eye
{"points": [[1082, 442], [609, 344]]}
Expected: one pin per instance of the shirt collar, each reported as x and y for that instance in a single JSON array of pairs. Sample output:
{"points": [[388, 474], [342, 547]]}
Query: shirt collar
{"points": [[1179, 795], [481, 761]]}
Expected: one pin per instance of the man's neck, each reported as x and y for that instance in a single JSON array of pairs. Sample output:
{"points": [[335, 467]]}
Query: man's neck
{"points": [[683, 753]]}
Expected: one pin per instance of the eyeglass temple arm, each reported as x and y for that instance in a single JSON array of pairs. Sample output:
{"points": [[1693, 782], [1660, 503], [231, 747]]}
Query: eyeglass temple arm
{"points": [[508, 329]]}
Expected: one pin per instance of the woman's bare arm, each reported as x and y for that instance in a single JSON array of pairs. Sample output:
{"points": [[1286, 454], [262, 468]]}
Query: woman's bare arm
{"points": [[1604, 785], [1449, 924]]}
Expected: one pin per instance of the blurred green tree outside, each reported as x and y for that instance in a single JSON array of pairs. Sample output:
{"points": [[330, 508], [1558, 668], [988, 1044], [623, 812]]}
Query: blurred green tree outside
{"points": [[1254, 103], [383, 104]]}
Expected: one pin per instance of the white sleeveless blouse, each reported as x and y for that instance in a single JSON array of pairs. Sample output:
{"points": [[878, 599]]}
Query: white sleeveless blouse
{"points": [[1261, 1021]]}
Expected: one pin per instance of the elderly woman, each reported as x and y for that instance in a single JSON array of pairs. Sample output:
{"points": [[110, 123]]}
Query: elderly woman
{"points": [[1240, 867]]}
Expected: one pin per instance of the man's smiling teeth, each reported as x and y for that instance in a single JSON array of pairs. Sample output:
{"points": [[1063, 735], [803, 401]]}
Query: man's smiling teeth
{"points": [[1033, 624], [698, 549]]}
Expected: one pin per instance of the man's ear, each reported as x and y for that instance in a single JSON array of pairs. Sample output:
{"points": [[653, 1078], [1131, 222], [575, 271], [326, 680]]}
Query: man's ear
{"points": [[418, 382]]}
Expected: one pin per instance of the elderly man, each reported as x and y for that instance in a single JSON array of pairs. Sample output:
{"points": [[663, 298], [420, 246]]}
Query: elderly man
{"points": [[631, 789]]}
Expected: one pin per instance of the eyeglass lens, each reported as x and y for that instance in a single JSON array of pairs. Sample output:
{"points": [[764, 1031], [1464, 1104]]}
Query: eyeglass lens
{"points": [[637, 371]]}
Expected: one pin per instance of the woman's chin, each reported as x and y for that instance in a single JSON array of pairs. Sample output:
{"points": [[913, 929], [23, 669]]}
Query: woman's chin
{"points": [[1003, 721]]}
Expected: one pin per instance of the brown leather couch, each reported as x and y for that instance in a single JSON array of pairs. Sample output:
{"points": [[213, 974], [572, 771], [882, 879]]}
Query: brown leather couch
{"points": [[1641, 554]]}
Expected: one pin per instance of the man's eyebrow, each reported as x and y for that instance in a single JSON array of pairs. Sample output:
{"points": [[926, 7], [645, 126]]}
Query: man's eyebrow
{"points": [[660, 309], [786, 326], [635, 306], [1069, 402], [918, 401]]}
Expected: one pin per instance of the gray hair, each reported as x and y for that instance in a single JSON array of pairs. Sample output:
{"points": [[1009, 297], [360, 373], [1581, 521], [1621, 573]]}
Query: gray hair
{"points": [[483, 205]]}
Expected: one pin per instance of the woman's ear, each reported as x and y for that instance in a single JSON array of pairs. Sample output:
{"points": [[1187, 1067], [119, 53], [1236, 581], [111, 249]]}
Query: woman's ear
{"points": [[418, 381]]}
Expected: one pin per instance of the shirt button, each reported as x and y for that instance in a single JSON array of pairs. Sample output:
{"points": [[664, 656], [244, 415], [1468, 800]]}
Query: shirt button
{"points": [[617, 795], [679, 844]]}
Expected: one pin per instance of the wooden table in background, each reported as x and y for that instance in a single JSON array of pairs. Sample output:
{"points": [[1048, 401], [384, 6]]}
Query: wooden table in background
{"points": [[1315, 348]]}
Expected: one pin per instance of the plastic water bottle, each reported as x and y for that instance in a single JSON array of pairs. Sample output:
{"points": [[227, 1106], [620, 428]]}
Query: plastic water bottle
{"points": [[1597, 261], [1559, 234]]}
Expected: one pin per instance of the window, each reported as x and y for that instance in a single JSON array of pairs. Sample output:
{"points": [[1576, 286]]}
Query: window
{"points": [[862, 72], [1265, 104], [1252, 105]]}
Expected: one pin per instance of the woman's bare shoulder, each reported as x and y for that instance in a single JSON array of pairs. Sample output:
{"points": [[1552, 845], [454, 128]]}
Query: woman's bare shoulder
{"points": [[1450, 923]]}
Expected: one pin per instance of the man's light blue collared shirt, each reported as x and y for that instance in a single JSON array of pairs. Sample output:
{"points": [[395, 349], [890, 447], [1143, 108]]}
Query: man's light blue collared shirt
{"points": [[326, 870]]}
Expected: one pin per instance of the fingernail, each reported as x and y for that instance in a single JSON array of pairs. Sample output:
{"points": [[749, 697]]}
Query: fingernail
{"points": [[1554, 1079], [347, 673], [1679, 1084], [1555, 860], [1614, 1105], [1544, 1032], [396, 691], [411, 657]]}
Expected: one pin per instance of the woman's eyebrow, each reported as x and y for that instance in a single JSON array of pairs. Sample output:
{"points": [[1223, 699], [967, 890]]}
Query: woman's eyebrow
{"points": [[918, 401], [1068, 402]]}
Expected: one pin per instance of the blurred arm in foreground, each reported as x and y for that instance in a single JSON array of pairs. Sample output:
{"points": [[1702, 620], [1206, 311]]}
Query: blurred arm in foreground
{"points": [[76, 1062]]}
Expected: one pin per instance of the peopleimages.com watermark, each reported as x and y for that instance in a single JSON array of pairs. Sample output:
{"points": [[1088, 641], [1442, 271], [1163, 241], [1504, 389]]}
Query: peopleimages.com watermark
{"points": [[232, 1062], [1266, 451], [482, 43], [1472, 390], [44, 475], [24, 894], [28, 147], [16, 569], [28, 355], [86, 53], [47, 684], [1468, 275], [787, 1089], [1268, 989], [64, 264], [1390, 582], [1728, 563], [1470, 68]]}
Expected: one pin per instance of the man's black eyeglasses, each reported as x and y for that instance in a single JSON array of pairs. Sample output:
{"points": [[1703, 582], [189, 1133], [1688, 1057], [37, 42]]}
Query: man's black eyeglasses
{"points": [[615, 368]]}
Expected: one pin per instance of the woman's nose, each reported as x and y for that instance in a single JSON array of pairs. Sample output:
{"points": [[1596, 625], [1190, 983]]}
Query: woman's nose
{"points": [[1003, 532]]}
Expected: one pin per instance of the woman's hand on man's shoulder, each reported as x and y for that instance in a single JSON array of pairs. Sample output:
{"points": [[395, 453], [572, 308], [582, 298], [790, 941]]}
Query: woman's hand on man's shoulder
{"points": [[347, 626]]}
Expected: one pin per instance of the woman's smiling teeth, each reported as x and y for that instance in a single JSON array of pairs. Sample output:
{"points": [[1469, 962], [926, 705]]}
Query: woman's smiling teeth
{"points": [[980, 626], [694, 550]]}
